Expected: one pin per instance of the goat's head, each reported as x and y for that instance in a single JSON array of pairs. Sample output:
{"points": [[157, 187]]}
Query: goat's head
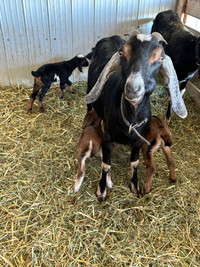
{"points": [[81, 61], [91, 118], [140, 59]]}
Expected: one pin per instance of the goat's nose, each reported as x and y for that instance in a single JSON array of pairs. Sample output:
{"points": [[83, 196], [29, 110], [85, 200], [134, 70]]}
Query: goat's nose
{"points": [[132, 93]]}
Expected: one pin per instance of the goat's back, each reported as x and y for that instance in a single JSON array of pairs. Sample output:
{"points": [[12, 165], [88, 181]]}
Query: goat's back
{"points": [[181, 43], [167, 23], [158, 129], [91, 131]]}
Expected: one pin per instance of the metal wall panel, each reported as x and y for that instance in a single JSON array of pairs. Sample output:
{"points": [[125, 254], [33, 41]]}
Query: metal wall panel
{"points": [[83, 31], [35, 32], [4, 73], [127, 16], [14, 36], [38, 35]]}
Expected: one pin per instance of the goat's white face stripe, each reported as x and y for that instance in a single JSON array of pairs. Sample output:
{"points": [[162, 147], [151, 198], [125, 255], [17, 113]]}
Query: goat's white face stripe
{"points": [[144, 37], [80, 56]]}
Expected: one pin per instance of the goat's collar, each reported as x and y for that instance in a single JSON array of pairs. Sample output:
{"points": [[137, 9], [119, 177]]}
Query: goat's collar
{"points": [[131, 126]]}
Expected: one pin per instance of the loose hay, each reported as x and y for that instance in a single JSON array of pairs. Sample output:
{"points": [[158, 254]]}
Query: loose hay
{"points": [[43, 224]]}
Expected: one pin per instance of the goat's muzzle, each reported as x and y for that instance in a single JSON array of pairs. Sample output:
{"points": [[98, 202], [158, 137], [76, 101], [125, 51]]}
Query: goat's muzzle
{"points": [[134, 89]]}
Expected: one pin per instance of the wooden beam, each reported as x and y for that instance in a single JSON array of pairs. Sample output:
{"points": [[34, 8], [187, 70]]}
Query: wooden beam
{"points": [[181, 7], [193, 8]]}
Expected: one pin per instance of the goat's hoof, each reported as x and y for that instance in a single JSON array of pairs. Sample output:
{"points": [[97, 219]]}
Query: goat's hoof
{"points": [[42, 110], [134, 190], [100, 196], [73, 91], [100, 199], [144, 191], [29, 110], [75, 188], [167, 120], [173, 180]]}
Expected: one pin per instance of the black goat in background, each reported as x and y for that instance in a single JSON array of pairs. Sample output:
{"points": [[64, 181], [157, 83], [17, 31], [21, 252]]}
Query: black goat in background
{"points": [[122, 76], [183, 47], [48, 73]]}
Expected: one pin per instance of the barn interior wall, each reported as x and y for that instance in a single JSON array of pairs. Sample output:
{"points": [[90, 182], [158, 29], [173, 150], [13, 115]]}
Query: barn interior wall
{"points": [[34, 32]]}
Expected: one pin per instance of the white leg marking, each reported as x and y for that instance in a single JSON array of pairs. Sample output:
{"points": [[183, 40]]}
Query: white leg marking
{"points": [[99, 194], [79, 179], [78, 183], [134, 164], [109, 182]]}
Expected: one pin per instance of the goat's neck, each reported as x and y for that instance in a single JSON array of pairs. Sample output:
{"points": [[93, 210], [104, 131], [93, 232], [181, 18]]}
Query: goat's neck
{"points": [[72, 63], [135, 115]]}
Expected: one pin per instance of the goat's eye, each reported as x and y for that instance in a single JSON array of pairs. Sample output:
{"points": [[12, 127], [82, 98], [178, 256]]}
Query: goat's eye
{"points": [[162, 58], [121, 53]]}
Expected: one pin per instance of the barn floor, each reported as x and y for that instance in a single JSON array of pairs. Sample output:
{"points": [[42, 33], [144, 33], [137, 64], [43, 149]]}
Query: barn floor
{"points": [[42, 223]]}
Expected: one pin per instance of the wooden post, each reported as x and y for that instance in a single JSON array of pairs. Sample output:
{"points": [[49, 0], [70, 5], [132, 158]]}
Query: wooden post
{"points": [[181, 7]]}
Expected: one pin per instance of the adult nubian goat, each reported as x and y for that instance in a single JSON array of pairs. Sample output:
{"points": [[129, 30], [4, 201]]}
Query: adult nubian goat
{"points": [[122, 76], [183, 47]]}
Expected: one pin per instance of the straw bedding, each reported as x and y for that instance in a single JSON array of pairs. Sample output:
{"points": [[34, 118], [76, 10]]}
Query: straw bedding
{"points": [[42, 223]]}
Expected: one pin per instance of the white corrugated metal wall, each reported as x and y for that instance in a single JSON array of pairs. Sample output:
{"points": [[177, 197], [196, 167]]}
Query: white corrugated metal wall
{"points": [[34, 32]]}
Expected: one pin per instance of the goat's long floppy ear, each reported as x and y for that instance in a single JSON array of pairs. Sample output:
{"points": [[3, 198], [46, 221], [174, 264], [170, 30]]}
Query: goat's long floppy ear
{"points": [[79, 64], [109, 68], [170, 76]]}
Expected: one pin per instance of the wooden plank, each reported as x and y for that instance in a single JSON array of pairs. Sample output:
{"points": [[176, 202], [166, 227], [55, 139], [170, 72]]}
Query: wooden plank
{"points": [[193, 8], [181, 7], [194, 93]]}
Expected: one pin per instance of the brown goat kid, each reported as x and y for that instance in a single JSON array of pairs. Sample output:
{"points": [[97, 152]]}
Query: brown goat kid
{"points": [[158, 135], [90, 142]]}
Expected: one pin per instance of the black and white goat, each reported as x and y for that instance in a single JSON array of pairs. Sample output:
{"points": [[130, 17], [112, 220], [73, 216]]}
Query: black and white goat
{"points": [[182, 46], [122, 76], [48, 73]]}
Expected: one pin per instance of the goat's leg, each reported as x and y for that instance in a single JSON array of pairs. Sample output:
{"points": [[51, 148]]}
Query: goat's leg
{"points": [[80, 173], [109, 182], [134, 165], [170, 161], [36, 88], [169, 109], [69, 84], [105, 171], [82, 156], [42, 94], [150, 167], [62, 88]]}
